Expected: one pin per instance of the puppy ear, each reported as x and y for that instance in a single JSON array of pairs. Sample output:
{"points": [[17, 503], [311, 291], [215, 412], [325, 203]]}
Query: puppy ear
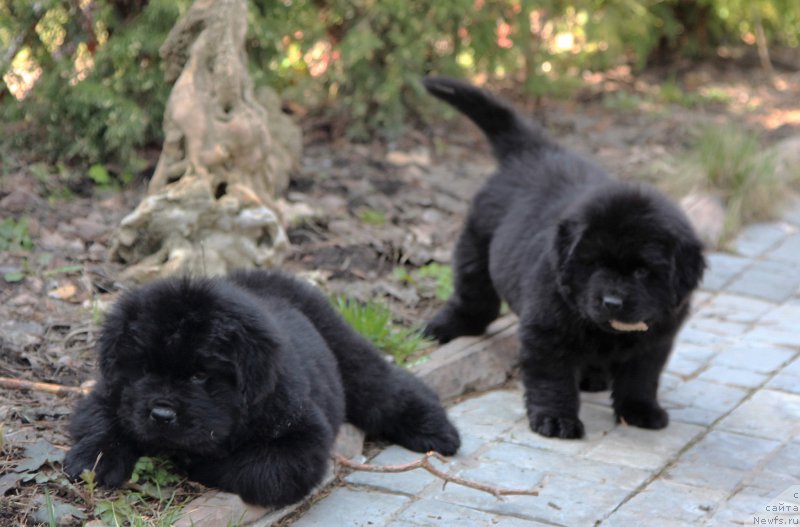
{"points": [[688, 267], [257, 358], [567, 238]]}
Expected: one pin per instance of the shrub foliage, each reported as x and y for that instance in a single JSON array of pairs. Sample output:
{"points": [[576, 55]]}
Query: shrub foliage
{"points": [[100, 95]]}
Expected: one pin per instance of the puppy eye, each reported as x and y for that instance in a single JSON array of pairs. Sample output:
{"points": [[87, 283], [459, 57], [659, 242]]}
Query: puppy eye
{"points": [[641, 272], [199, 378]]}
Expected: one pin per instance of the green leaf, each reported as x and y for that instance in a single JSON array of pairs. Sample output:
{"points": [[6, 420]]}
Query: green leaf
{"points": [[99, 174], [14, 276]]}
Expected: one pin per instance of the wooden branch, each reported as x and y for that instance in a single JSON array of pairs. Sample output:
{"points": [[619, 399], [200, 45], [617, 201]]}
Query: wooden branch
{"points": [[56, 389], [425, 464]]}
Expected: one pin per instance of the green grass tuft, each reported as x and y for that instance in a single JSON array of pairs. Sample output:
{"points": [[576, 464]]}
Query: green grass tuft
{"points": [[734, 166], [373, 320]]}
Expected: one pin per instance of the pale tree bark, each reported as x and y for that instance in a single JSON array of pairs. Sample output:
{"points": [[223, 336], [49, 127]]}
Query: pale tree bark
{"points": [[211, 202]]}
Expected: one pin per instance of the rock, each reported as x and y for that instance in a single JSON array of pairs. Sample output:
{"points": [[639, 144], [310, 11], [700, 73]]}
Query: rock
{"points": [[707, 216], [89, 230], [786, 155], [349, 442], [187, 229], [17, 334], [218, 509], [18, 201]]}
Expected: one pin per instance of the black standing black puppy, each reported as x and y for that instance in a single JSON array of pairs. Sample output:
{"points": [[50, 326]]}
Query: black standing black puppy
{"points": [[244, 382], [600, 272]]}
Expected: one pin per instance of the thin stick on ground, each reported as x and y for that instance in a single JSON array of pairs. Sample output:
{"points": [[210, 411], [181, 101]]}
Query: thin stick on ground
{"points": [[425, 464], [57, 389]]}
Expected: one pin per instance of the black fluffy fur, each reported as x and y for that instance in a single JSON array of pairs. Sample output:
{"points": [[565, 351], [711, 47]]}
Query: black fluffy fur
{"points": [[553, 235], [244, 382]]}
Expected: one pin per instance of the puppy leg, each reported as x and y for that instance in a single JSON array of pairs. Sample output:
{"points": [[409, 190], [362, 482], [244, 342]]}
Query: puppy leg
{"points": [[410, 415], [551, 389], [100, 444], [636, 387], [474, 303], [272, 473]]}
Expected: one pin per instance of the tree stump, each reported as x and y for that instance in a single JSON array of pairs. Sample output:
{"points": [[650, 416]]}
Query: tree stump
{"points": [[210, 204]]}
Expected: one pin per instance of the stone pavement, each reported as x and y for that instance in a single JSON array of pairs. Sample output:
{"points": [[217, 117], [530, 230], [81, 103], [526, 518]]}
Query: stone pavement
{"points": [[731, 455]]}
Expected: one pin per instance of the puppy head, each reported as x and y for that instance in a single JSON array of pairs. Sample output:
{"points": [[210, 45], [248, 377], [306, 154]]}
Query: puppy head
{"points": [[627, 258], [184, 360]]}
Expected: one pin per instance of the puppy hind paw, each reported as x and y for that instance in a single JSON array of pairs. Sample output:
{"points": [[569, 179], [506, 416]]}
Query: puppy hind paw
{"points": [[562, 427], [642, 414], [448, 324], [426, 429]]}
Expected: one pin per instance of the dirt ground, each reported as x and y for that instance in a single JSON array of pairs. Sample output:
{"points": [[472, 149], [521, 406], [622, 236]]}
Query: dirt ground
{"points": [[379, 206]]}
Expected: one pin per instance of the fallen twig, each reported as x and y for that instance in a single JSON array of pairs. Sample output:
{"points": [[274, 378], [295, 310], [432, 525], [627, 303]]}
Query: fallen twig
{"points": [[425, 464], [57, 389]]}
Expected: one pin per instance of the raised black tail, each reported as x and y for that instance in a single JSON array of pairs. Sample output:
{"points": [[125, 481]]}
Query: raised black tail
{"points": [[507, 131]]}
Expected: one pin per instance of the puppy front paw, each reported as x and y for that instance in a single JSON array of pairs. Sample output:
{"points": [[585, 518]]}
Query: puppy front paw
{"points": [[644, 414], [561, 426], [112, 467]]}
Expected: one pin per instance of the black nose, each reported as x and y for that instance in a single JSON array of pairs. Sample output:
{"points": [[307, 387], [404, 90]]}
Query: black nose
{"points": [[612, 302], [162, 414]]}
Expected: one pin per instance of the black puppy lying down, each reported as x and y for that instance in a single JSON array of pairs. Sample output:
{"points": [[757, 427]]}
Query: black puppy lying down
{"points": [[244, 382], [599, 272]]}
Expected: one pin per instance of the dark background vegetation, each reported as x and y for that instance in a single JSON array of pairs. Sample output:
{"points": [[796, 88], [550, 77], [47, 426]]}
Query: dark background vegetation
{"points": [[83, 83]]}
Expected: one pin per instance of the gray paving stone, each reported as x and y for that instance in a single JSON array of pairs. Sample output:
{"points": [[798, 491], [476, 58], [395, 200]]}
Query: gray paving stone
{"points": [[705, 476], [733, 376], [488, 415], [787, 461], [597, 420], [738, 510], [779, 326], [785, 383], [352, 508], [771, 280], [788, 379], [411, 482], [699, 337], [429, 513], [788, 250], [720, 460], [667, 382], [735, 308], [564, 464], [770, 414], [644, 449], [670, 501], [562, 500], [721, 269], [700, 353], [723, 328], [755, 239], [701, 402], [751, 354], [629, 518], [700, 298]]}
